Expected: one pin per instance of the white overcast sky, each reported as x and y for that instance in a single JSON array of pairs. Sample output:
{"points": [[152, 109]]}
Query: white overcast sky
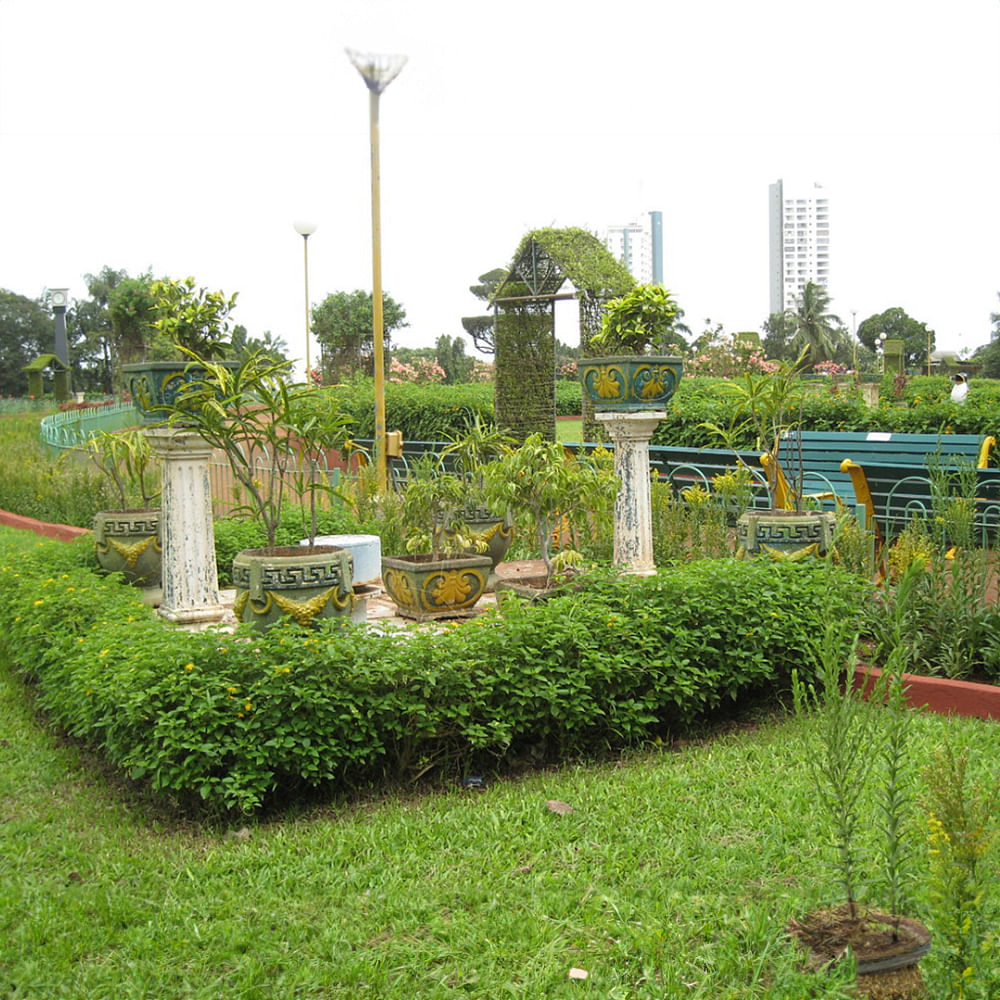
{"points": [[187, 136]]}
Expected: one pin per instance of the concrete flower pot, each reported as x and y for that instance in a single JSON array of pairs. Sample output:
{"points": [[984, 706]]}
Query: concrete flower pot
{"points": [[307, 584], [426, 589], [128, 541]]}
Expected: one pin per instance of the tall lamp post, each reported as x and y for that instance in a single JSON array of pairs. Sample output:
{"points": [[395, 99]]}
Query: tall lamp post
{"points": [[880, 347], [305, 230], [854, 339], [378, 72]]}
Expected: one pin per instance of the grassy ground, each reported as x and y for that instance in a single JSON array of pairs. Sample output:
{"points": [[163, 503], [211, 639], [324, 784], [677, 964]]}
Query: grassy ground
{"points": [[569, 430], [672, 876]]}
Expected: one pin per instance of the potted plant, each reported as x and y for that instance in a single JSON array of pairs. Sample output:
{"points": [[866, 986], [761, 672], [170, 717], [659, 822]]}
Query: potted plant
{"points": [[127, 537], [438, 577], [624, 376], [769, 407], [274, 436], [862, 746], [466, 456], [195, 321], [551, 496]]}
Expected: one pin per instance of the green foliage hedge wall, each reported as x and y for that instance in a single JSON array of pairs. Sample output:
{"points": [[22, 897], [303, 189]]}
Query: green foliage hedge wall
{"points": [[239, 721]]}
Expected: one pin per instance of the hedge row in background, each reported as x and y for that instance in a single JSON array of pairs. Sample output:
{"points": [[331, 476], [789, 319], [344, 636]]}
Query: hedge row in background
{"points": [[242, 720], [920, 405], [431, 411]]}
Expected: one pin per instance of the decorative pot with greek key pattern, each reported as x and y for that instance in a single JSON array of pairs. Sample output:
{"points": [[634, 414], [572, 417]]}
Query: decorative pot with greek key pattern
{"points": [[128, 542], [307, 584]]}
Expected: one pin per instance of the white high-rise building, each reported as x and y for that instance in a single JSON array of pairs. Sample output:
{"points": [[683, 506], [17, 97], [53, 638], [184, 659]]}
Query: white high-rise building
{"points": [[799, 241], [639, 246]]}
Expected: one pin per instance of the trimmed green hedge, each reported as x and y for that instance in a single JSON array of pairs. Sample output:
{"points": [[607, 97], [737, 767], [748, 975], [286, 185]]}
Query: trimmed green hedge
{"points": [[433, 412], [237, 720]]}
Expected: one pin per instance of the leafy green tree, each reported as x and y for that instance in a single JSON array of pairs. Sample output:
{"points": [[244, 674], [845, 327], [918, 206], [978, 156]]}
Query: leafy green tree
{"points": [[815, 330], [675, 336], [130, 304], [26, 331], [988, 356], [896, 325], [91, 337], [778, 330], [344, 327], [480, 328], [449, 352], [268, 347]]}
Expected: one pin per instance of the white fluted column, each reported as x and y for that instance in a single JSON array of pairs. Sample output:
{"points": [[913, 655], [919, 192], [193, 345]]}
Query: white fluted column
{"points": [[190, 577], [630, 433]]}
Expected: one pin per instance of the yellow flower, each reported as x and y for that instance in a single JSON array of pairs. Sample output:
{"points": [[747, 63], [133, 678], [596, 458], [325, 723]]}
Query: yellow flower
{"points": [[39, 602], [189, 666], [231, 690], [248, 707], [104, 652]]}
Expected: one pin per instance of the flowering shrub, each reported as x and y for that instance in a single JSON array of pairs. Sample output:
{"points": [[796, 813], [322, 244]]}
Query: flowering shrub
{"points": [[482, 371], [568, 370], [830, 368], [726, 356], [422, 370]]}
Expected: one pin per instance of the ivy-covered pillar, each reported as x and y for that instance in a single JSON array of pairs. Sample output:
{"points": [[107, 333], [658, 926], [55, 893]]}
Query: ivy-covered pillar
{"points": [[525, 385], [630, 434], [190, 576]]}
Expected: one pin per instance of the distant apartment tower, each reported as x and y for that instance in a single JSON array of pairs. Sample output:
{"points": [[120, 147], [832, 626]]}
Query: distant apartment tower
{"points": [[639, 246], [799, 241]]}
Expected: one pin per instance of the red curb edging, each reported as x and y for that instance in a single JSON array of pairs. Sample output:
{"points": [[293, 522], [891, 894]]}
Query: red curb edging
{"points": [[60, 532], [940, 694]]}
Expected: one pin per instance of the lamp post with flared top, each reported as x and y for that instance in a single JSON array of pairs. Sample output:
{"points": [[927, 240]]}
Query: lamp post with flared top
{"points": [[378, 71]]}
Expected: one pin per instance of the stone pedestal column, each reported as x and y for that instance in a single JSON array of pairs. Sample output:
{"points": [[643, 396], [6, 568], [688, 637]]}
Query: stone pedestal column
{"points": [[190, 578], [630, 433]]}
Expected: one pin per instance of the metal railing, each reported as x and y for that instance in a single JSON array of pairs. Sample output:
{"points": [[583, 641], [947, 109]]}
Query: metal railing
{"points": [[69, 428]]}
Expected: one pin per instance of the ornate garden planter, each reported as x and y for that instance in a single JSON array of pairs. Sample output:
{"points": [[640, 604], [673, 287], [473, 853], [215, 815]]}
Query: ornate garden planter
{"points": [[154, 385], [785, 533], [128, 541], [425, 588], [491, 529], [630, 382], [307, 584]]}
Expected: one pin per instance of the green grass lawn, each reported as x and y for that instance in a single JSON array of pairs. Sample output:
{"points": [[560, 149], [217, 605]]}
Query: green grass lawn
{"points": [[569, 430], [673, 876]]}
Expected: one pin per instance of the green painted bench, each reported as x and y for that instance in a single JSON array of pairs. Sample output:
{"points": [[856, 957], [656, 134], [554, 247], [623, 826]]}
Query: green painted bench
{"points": [[891, 494], [823, 452]]}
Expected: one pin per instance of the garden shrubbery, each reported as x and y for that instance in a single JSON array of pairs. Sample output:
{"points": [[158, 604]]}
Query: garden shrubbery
{"points": [[34, 484], [238, 719]]}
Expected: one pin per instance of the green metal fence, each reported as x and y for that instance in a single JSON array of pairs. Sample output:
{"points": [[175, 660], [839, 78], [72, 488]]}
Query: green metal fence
{"points": [[67, 429]]}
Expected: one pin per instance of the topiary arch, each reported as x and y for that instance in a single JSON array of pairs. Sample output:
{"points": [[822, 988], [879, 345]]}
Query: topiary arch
{"points": [[546, 261]]}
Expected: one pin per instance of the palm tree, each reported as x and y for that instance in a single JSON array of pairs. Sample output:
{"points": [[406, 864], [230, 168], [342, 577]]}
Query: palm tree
{"points": [[817, 331]]}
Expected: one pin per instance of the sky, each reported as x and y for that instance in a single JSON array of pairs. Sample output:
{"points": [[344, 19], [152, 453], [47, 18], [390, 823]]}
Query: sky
{"points": [[186, 137]]}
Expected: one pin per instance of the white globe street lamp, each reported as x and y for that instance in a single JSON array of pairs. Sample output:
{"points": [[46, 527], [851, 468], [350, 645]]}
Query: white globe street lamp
{"points": [[305, 230]]}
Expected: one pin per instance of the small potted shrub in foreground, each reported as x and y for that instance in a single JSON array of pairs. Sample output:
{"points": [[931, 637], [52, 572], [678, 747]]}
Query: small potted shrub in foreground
{"points": [[439, 577], [624, 375], [863, 744], [274, 436], [127, 538]]}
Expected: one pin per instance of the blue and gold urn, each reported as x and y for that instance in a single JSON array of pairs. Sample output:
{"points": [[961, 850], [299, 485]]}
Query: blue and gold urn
{"points": [[630, 382]]}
